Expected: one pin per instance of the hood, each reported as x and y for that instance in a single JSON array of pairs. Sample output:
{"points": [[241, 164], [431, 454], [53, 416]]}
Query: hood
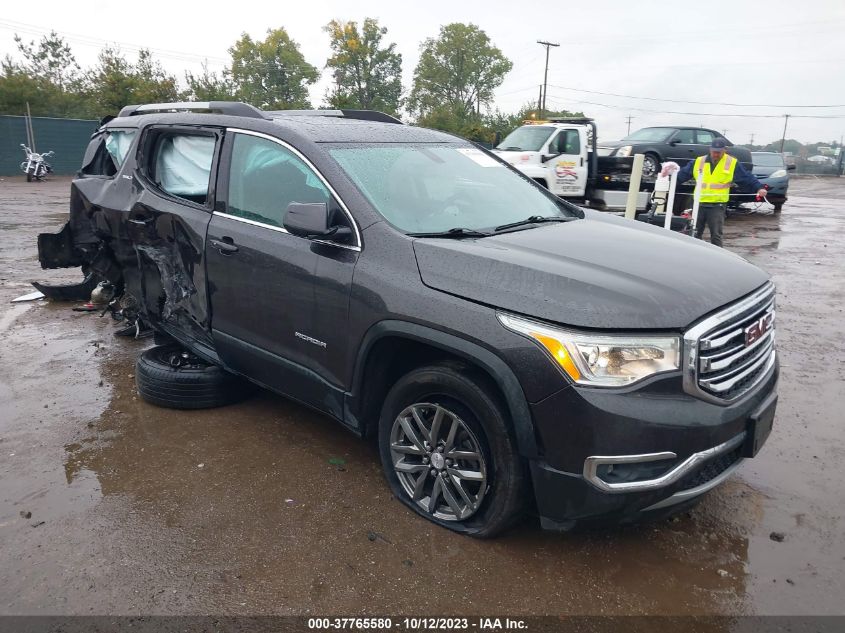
{"points": [[518, 157], [762, 171], [614, 143], [600, 272]]}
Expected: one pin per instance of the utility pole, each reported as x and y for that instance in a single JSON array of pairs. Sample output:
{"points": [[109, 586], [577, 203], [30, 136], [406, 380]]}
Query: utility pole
{"points": [[783, 136], [540, 102], [545, 75], [629, 124], [751, 142]]}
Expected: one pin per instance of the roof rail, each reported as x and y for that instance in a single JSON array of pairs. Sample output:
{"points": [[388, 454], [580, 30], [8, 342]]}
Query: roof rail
{"points": [[361, 115], [232, 108]]}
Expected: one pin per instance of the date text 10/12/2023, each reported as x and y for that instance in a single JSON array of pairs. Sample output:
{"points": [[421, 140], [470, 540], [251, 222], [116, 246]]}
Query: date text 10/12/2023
{"points": [[417, 624]]}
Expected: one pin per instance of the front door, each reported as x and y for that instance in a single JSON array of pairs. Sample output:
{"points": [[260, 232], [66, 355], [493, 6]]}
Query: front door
{"points": [[568, 170], [279, 302]]}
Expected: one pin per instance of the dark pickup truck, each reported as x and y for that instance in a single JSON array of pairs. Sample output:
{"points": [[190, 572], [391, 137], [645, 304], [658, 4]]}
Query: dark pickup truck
{"points": [[510, 352]]}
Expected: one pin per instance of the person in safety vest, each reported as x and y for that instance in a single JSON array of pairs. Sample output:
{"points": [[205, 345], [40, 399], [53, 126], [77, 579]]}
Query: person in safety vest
{"points": [[717, 170]]}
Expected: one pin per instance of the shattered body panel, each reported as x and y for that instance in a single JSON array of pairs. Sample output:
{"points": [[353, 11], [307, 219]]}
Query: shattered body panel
{"points": [[150, 247]]}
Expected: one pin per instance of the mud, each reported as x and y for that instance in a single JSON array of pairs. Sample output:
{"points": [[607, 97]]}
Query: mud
{"points": [[266, 507]]}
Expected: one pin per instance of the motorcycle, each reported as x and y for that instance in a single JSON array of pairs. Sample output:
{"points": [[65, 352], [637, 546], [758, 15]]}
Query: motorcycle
{"points": [[35, 166]]}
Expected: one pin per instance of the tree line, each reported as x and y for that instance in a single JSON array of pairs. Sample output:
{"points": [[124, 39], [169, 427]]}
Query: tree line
{"points": [[452, 88]]}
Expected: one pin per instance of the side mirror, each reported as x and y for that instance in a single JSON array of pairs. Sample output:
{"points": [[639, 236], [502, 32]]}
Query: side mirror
{"points": [[313, 220], [673, 143], [792, 166]]}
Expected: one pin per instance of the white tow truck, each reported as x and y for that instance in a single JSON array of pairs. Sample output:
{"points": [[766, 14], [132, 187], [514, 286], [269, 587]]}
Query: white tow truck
{"points": [[560, 154]]}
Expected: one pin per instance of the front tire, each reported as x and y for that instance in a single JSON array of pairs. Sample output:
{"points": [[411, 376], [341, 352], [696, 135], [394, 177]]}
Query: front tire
{"points": [[651, 165], [447, 451]]}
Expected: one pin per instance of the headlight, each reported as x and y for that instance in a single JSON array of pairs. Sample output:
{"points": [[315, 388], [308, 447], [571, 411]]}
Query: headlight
{"points": [[623, 151], [601, 360], [780, 173]]}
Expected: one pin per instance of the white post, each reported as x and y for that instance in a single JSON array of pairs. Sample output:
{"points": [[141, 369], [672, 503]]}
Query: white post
{"points": [[696, 201], [670, 203], [634, 188]]}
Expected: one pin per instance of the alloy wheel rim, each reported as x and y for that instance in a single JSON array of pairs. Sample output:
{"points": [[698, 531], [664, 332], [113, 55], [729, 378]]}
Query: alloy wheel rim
{"points": [[438, 461]]}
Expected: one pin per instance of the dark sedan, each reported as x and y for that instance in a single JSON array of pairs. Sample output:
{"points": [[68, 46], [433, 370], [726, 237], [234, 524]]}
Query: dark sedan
{"points": [[661, 144]]}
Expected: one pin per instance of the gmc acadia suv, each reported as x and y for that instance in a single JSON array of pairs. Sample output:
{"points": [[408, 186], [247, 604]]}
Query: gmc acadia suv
{"points": [[511, 352]]}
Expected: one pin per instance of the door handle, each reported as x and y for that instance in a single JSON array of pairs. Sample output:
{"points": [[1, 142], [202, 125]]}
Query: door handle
{"points": [[226, 246], [141, 221]]}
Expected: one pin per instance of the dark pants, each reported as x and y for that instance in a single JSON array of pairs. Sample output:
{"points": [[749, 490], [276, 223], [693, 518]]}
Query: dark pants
{"points": [[712, 216]]}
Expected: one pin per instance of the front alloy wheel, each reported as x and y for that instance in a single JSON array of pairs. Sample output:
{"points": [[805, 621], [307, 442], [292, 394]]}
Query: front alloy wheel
{"points": [[438, 461]]}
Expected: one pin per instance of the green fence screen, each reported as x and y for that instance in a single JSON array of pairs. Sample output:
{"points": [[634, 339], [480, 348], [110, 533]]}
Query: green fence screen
{"points": [[68, 138]]}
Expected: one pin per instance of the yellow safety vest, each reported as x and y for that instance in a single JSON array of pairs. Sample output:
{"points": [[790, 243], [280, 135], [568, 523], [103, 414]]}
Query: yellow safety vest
{"points": [[715, 184]]}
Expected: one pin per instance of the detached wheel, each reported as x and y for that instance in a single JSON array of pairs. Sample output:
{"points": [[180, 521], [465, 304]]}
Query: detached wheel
{"points": [[447, 451], [168, 376]]}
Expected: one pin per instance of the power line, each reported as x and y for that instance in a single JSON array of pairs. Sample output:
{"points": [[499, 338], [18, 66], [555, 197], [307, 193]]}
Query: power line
{"points": [[713, 114], [738, 105], [86, 40]]}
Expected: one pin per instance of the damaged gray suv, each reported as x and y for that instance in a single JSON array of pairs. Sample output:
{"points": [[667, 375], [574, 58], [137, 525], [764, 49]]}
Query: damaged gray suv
{"points": [[511, 353]]}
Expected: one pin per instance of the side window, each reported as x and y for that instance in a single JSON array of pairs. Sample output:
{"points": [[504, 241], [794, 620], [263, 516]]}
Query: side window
{"points": [[685, 136], [567, 142], [265, 177], [182, 165], [107, 153], [118, 143], [704, 137]]}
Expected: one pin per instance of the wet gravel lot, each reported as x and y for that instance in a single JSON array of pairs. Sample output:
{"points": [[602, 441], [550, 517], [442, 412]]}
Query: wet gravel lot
{"points": [[112, 506]]}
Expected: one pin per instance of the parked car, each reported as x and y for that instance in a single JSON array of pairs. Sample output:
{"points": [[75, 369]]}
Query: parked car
{"points": [[509, 351], [771, 169], [678, 144]]}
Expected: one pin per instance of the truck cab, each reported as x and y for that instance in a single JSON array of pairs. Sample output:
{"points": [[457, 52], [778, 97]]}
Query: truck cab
{"points": [[554, 154]]}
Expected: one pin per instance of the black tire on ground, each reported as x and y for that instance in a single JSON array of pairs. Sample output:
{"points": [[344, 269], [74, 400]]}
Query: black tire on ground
{"points": [[193, 385], [28, 177], [466, 393], [778, 206]]}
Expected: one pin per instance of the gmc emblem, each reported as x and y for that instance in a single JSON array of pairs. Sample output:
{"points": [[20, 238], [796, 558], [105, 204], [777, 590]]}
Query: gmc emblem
{"points": [[756, 330]]}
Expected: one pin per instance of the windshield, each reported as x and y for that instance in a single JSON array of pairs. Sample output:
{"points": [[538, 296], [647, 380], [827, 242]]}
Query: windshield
{"points": [[767, 160], [528, 138], [650, 134], [428, 189]]}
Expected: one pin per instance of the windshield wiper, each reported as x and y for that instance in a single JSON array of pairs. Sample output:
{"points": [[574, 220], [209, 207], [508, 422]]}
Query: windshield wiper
{"points": [[455, 232], [534, 219], [510, 148]]}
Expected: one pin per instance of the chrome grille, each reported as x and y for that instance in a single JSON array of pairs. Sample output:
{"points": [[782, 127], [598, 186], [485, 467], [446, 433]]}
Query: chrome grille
{"points": [[731, 352]]}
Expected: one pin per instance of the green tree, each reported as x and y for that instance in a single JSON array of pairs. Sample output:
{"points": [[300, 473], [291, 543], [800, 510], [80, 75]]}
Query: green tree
{"points": [[367, 75], [48, 78], [208, 86], [51, 59], [116, 82], [460, 68], [271, 74]]}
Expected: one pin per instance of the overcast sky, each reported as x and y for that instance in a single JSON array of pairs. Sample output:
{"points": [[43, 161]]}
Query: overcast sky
{"points": [[771, 52]]}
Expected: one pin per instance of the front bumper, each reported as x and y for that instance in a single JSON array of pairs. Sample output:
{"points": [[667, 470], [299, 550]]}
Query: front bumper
{"points": [[690, 447]]}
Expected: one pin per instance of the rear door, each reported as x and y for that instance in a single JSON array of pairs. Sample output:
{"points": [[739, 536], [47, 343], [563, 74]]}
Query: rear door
{"points": [[280, 302], [568, 171], [167, 224]]}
